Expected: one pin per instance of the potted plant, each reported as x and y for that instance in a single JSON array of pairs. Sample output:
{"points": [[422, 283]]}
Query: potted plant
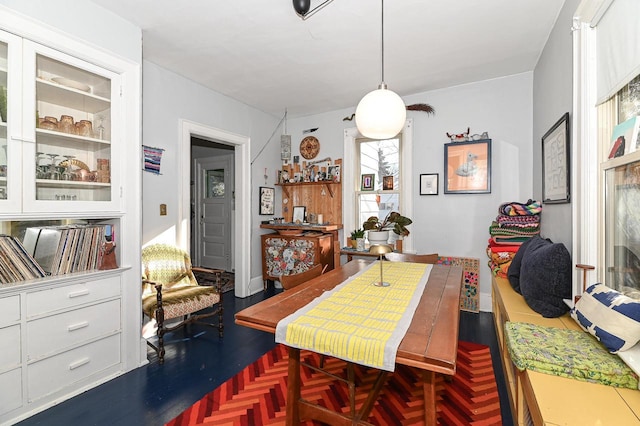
{"points": [[356, 235], [379, 229]]}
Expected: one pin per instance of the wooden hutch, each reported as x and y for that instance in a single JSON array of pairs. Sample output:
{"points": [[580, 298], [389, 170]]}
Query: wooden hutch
{"points": [[296, 246]]}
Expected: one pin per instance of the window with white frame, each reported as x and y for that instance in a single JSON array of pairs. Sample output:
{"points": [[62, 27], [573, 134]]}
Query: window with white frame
{"points": [[382, 159], [378, 163], [622, 188]]}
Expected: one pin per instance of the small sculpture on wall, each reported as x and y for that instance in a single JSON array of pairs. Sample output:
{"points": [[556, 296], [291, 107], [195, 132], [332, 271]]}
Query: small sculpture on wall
{"points": [[459, 137]]}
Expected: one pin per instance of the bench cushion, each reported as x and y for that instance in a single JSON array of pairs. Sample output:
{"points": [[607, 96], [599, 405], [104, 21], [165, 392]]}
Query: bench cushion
{"points": [[181, 301], [567, 353]]}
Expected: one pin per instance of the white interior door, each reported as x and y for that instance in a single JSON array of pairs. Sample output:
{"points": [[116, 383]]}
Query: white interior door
{"points": [[214, 205]]}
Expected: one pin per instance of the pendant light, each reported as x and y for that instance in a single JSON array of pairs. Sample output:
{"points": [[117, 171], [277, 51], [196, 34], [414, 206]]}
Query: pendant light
{"points": [[381, 114]]}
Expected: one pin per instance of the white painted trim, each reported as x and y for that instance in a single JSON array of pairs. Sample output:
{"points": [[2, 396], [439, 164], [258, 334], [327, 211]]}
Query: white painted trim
{"points": [[242, 196], [350, 181], [584, 151]]}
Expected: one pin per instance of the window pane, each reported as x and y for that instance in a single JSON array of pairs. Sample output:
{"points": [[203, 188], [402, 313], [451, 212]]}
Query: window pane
{"points": [[623, 229], [381, 158], [215, 183], [629, 100], [379, 205]]}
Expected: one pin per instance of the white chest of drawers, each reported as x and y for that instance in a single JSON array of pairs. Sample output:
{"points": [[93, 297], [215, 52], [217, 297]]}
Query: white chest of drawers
{"points": [[57, 340]]}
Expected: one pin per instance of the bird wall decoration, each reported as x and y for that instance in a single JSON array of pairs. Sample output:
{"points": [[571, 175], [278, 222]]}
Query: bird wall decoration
{"points": [[414, 107]]}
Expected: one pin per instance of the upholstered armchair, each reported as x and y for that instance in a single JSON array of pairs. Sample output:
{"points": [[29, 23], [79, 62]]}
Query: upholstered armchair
{"points": [[170, 291]]}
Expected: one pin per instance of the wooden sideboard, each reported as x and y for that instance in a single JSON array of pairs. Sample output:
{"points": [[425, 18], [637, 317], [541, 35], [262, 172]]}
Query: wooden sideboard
{"points": [[298, 248]]}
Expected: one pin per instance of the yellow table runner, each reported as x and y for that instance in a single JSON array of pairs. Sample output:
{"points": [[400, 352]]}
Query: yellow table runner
{"points": [[357, 321]]}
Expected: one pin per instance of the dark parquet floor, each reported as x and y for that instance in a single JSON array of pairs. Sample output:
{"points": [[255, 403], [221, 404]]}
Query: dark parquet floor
{"points": [[196, 363]]}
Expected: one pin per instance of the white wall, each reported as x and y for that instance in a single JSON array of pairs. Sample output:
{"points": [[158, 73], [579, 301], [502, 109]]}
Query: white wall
{"points": [[168, 98], [87, 21], [553, 96], [455, 224]]}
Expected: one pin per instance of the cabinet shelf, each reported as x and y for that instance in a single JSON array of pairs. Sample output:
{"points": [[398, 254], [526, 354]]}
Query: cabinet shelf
{"points": [[54, 183], [328, 185], [69, 97], [67, 139]]}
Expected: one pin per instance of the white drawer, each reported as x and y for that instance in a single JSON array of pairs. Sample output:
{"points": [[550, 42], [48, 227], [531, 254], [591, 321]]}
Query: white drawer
{"points": [[67, 368], [54, 299], [10, 353], [11, 390], [62, 331], [9, 310]]}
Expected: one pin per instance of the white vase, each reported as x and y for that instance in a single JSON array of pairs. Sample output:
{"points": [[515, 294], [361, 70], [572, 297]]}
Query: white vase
{"points": [[378, 237]]}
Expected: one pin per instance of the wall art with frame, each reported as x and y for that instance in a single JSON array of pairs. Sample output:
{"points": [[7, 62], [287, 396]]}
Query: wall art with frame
{"points": [[267, 200], [556, 163], [367, 182], [299, 213], [467, 167], [429, 184]]}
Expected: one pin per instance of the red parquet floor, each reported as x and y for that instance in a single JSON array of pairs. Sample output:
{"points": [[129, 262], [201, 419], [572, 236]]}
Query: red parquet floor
{"points": [[257, 395]]}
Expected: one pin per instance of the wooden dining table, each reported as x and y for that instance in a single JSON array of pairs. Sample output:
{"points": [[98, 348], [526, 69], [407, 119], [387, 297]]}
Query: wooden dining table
{"points": [[430, 344]]}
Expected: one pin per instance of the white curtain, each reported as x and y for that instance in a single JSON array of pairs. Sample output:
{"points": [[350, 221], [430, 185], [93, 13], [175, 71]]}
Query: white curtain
{"points": [[617, 47]]}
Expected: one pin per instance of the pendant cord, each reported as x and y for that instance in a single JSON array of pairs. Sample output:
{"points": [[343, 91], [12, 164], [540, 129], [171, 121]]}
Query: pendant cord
{"points": [[382, 41]]}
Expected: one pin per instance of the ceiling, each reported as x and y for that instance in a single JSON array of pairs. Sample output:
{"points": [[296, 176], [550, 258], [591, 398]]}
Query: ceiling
{"points": [[261, 53]]}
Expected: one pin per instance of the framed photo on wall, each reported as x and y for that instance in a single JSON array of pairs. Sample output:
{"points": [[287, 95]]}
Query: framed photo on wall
{"points": [[429, 184], [367, 182], [467, 167], [298, 214], [267, 200], [387, 183], [556, 163]]}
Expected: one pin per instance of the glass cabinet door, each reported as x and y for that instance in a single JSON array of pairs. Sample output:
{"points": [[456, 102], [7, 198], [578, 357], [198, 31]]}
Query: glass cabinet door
{"points": [[71, 118], [10, 137], [4, 50]]}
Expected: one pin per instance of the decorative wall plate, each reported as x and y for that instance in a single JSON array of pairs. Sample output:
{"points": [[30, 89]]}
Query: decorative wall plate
{"points": [[309, 147]]}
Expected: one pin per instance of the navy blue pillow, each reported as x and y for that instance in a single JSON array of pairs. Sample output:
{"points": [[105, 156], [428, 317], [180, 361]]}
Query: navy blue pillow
{"points": [[545, 277], [513, 273]]}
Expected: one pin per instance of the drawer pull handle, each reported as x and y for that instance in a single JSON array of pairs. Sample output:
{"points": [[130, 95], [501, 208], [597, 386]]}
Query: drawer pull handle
{"points": [[83, 292], [79, 363], [78, 326]]}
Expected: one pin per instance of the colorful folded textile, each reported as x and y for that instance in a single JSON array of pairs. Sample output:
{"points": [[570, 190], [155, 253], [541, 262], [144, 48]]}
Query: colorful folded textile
{"points": [[509, 239], [520, 209], [528, 231], [502, 247], [504, 220]]}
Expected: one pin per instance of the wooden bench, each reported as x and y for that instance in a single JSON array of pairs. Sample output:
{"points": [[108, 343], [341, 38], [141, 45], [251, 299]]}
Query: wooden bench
{"points": [[544, 399]]}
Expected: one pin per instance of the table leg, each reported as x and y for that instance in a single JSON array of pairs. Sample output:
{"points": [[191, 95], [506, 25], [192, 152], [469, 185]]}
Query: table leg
{"points": [[429, 387], [293, 388]]}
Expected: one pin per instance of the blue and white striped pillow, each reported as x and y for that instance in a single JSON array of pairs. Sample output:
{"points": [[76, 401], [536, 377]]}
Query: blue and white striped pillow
{"points": [[612, 317]]}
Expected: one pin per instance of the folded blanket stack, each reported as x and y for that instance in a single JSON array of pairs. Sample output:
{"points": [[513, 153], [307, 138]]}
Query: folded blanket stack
{"points": [[515, 224]]}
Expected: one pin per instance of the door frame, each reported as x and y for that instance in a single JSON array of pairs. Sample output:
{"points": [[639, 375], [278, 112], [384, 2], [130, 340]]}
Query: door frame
{"points": [[242, 178]]}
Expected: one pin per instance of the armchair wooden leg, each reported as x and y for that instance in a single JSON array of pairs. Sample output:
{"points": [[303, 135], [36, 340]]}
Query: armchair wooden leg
{"points": [[160, 321]]}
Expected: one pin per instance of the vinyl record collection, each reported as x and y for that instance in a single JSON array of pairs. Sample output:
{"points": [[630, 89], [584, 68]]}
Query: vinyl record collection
{"points": [[16, 264]]}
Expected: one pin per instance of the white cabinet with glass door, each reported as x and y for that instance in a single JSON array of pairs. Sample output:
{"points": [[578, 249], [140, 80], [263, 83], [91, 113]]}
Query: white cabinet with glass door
{"points": [[67, 111], [10, 122], [56, 145]]}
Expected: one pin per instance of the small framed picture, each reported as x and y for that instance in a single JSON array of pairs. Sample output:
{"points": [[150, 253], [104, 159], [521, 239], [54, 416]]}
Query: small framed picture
{"points": [[267, 196], [298, 214], [334, 173], [387, 183], [367, 182], [429, 184]]}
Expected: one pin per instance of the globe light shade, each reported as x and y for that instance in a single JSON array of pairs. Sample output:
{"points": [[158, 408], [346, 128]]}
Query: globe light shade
{"points": [[381, 114]]}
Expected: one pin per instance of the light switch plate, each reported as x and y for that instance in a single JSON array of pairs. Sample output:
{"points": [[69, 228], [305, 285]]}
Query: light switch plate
{"points": [[163, 209]]}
